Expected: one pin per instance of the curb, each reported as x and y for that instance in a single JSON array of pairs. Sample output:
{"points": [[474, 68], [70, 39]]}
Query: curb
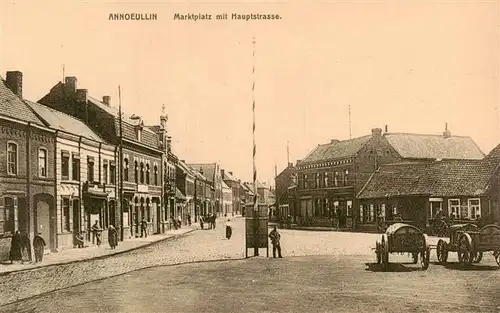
{"points": [[99, 257]]}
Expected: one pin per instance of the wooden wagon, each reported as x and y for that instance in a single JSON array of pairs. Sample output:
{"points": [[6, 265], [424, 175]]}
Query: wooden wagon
{"points": [[403, 238], [470, 243]]}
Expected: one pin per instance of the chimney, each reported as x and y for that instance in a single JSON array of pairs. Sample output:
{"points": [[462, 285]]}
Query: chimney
{"points": [[376, 132], [386, 129], [230, 173], [71, 83], [334, 140], [290, 164], [15, 82], [106, 100], [81, 95], [446, 133]]}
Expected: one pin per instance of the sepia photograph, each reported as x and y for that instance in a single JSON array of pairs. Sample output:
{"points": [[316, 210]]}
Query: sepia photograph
{"points": [[250, 156]]}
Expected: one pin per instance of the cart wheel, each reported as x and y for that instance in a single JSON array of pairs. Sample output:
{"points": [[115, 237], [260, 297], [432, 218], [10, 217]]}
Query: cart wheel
{"points": [[425, 257], [478, 256], [415, 258], [496, 254], [441, 251], [464, 252]]}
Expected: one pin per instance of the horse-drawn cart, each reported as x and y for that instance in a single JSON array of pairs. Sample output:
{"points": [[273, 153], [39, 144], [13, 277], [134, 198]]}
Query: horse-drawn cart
{"points": [[403, 238], [470, 243]]}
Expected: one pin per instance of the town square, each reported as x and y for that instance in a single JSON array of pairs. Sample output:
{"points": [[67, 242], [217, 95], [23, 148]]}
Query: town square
{"points": [[319, 157]]}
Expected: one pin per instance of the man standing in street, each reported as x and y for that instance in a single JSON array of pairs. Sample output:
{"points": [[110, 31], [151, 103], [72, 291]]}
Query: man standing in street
{"points": [[275, 240], [144, 228]]}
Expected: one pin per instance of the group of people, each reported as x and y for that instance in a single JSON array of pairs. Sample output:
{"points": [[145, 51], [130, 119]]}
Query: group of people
{"points": [[209, 220], [20, 247], [112, 234]]}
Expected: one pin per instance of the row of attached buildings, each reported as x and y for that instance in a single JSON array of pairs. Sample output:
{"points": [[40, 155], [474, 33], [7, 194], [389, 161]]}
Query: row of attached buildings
{"points": [[70, 159], [386, 176]]}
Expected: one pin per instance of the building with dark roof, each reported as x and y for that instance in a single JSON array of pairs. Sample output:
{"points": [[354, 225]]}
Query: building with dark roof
{"points": [[86, 178], [143, 162], [213, 175], [420, 192], [238, 195], [331, 175], [27, 169]]}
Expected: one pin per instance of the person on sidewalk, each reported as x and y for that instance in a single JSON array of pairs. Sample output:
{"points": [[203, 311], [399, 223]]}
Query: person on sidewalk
{"points": [[144, 228], [275, 240], [189, 219], [16, 247], [26, 248], [214, 218], [112, 237], [39, 247], [96, 231], [229, 229], [179, 221], [201, 221]]}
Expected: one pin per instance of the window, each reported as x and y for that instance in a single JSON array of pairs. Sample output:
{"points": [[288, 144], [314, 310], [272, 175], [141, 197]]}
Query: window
{"points": [[346, 181], [394, 210], [65, 165], [142, 173], [105, 172], [147, 174], [336, 179], [317, 180], [125, 169], [434, 208], [12, 158], [382, 210], [90, 169], [42, 162], [454, 207], [112, 173], [306, 185], [75, 167], [65, 212], [361, 209], [156, 175], [474, 208], [136, 172], [326, 179], [7, 207], [349, 208]]}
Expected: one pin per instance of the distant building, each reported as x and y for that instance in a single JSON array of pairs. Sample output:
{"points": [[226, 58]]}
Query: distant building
{"points": [[331, 175], [234, 184]]}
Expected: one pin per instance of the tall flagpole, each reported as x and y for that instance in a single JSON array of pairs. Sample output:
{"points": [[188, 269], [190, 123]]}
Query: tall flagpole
{"points": [[255, 205], [122, 232], [350, 132]]}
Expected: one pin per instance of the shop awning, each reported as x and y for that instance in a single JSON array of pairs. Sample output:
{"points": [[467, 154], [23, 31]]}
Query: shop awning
{"points": [[96, 194]]}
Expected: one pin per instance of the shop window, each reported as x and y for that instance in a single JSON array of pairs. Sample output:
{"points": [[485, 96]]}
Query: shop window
{"points": [[8, 206], [65, 215]]}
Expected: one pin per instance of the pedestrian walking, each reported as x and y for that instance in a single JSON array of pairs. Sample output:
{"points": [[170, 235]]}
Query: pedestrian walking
{"points": [[112, 237], [179, 219], [214, 219], [26, 248], [275, 240], [144, 228], [16, 247], [189, 219], [201, 222], [229, 229], [39, 247], [96, 231]]}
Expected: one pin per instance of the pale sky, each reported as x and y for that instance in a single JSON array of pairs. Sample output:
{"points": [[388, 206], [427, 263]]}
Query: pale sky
{"points": [[412, 64]]}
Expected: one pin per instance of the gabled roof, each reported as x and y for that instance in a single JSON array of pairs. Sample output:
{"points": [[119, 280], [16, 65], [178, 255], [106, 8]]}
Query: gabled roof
{"points": [[61, 121], [336, 150], [420, 146], [186, 169], [248, 187], [225, 186], [445, 178], [148, 137], [13, 106], [208, 169], [228, 176]]}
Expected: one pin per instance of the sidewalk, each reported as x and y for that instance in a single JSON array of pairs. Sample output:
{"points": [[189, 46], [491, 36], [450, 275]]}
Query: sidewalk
{"points": [[93, 252]]}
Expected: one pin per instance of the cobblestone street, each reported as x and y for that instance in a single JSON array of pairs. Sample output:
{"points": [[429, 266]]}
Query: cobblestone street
{"points": [[196, 246]]}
